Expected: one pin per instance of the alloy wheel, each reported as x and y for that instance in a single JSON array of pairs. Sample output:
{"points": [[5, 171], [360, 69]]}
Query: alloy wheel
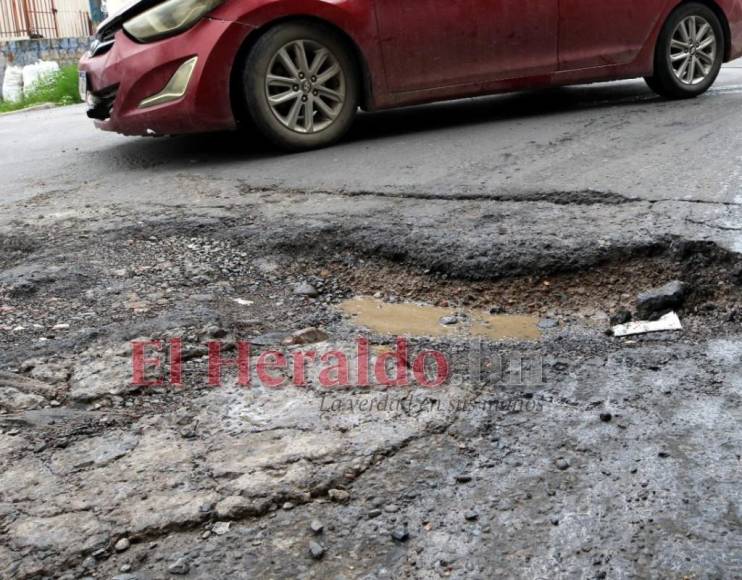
{"points": [[693, 50], [305, 86]]}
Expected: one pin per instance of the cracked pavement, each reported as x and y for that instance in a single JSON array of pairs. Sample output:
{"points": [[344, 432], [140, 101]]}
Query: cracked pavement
{"points": [[623, 462]]}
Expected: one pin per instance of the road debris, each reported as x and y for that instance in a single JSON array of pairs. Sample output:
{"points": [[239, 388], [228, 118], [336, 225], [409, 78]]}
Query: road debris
{"points": [[401, 534], [471, 516], [621, 317], [243, 302], [122, 545], [180, 567], [561, 463], [316, 550], [316, 526], [306, 289], [339, 495], [307, 336], [658, 300], [669, 321], [221, 528]]}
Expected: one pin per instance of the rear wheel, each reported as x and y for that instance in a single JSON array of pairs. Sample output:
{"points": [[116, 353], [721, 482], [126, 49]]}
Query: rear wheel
{"points": [[689, 54], [301, 86]]}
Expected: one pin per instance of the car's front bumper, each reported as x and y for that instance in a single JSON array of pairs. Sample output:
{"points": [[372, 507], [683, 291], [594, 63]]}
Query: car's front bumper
{"points": [[130, 73]]}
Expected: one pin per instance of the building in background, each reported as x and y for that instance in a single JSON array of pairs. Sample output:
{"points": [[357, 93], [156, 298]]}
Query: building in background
{"points": [[51, 19], [113, 6]]}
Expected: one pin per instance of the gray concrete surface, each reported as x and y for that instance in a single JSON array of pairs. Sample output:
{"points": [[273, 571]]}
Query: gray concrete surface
{"points": [[623, 462]]}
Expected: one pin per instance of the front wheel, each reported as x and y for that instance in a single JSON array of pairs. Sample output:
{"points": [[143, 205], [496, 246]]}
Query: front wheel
{"points": [[301, 86], [689, 54]]}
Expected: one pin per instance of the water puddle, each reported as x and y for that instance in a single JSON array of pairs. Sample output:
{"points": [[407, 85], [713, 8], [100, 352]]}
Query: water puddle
{"points": [[419, 320]]}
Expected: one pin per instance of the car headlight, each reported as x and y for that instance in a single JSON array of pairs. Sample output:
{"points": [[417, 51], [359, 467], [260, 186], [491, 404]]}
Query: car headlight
{"points": [[168, 18]]}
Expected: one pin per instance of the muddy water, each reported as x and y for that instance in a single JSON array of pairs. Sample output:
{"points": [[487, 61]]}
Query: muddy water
{"points": [[420, 320]]}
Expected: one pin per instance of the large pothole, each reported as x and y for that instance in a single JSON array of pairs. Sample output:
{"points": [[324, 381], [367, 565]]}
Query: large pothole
{"points": [[712, 275]]}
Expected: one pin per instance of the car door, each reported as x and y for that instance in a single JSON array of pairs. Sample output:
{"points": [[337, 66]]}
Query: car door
{"points": [[436, 43], [605, 32]]}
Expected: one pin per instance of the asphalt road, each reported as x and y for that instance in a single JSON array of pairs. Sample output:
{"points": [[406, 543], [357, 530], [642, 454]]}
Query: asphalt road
{"points": [[642, 166], [620, 460]]}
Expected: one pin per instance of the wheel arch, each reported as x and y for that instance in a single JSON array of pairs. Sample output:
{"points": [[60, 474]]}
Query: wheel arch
{"points": [[722, 16], [236, 88]]}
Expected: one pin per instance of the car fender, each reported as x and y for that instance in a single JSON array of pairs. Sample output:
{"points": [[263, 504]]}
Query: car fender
{"points": [[357, 20]]}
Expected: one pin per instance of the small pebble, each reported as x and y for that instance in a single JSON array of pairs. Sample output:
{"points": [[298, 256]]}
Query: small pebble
{"points": [[180, 567], [621, 317], [306, 289], [561, 463], [339, 495], [316, 526], [401, 534], [220, 528], [317, 551], [122, 545]]}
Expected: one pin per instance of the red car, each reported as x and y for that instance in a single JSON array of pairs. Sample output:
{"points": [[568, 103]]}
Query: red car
{"points": [[299, 70]]}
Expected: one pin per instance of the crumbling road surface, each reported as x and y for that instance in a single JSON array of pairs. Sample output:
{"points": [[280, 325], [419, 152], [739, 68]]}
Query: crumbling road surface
{"points": [[607, 458]]}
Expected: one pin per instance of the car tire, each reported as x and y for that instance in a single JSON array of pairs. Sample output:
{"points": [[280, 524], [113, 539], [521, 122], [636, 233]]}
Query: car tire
{"points": [[301, 86], [689, 53]]}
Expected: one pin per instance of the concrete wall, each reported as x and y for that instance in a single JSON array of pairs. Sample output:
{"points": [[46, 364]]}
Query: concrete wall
{"points": [[64, 51]]}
